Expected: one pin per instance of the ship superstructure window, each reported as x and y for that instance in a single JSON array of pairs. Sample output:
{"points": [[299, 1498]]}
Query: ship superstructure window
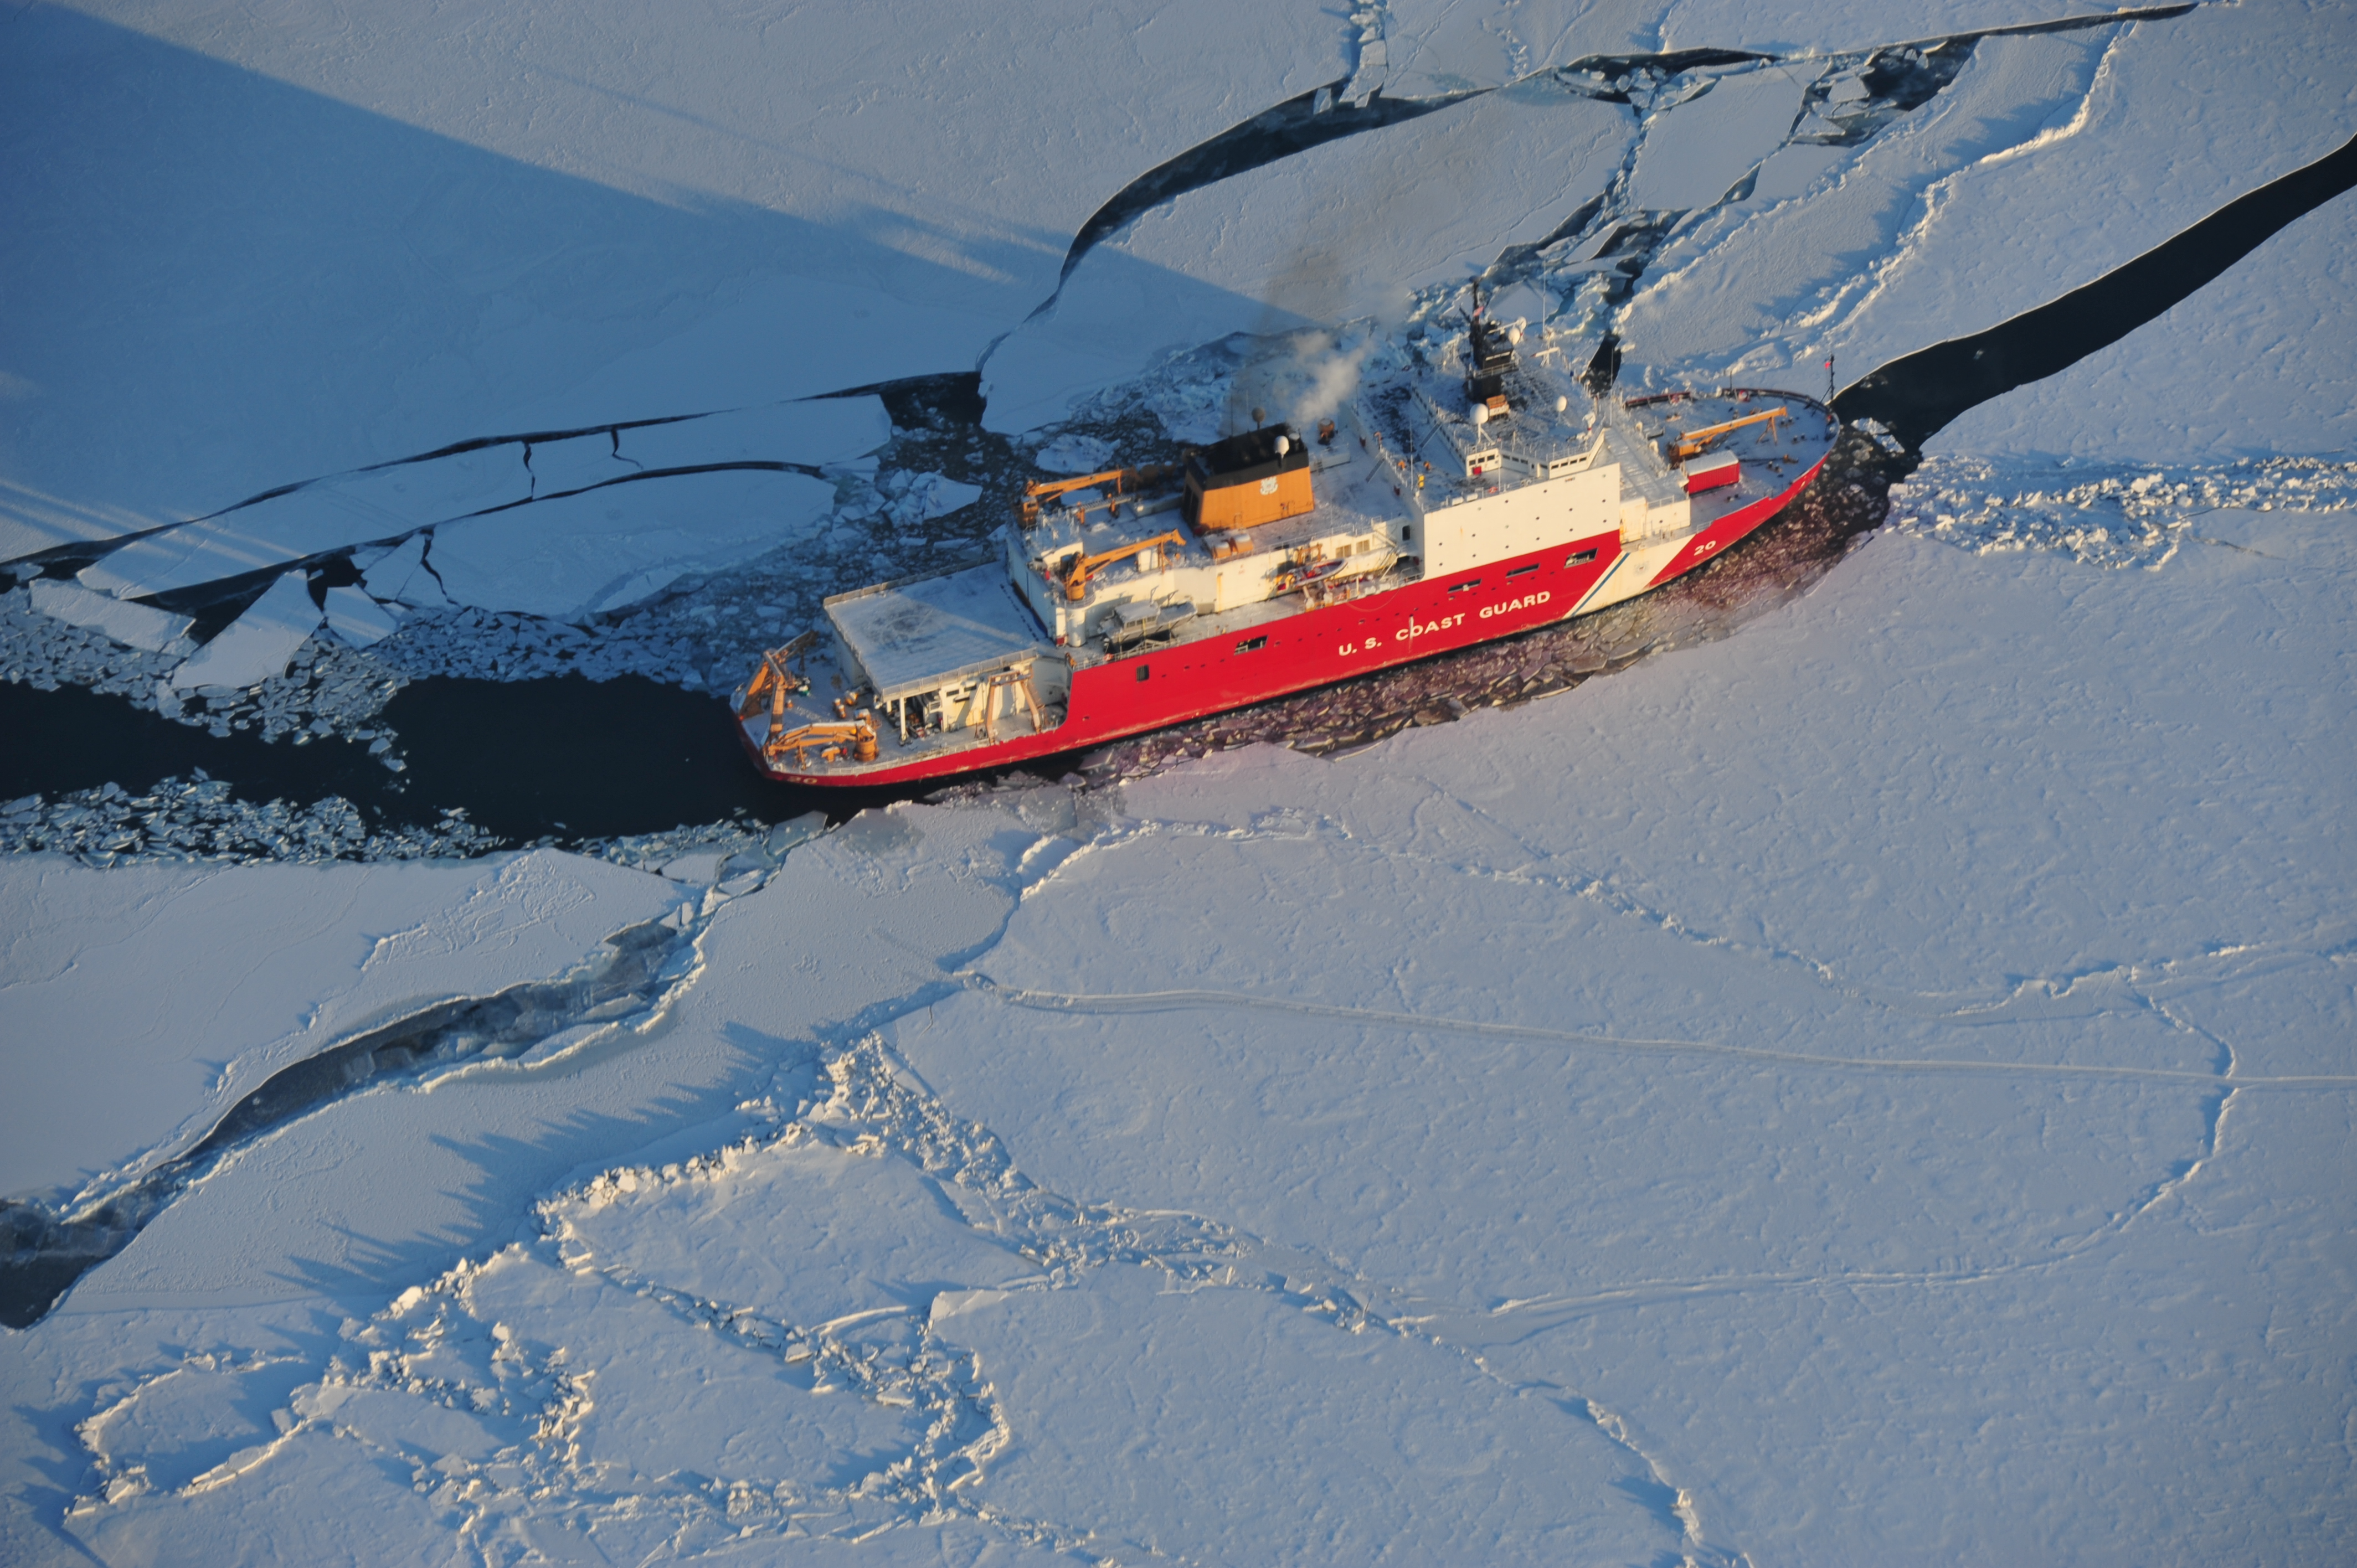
{"points": [[1522, 571], [1582, 559], [1468, 582], [1144, 670], [1252, 645]]}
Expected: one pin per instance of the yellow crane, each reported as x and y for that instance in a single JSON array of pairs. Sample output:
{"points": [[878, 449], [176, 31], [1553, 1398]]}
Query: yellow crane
{"points": [[1033, 494], [1686, 445], [828, 740], [775, 683], [1079, 569]]}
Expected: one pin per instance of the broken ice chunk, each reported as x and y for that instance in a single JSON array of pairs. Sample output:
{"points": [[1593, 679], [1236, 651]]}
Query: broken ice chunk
{"points": [[617, 545], [134, 626], [356, 619], [259, 643], [316, 518], [931, 496], [1075, 454], [1696, 152], [404, 578]]}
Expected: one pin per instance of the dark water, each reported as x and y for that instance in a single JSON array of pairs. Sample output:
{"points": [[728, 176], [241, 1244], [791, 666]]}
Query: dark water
{"points": [[578, 759], [71, 739], [1919, 394], [568, 758]]}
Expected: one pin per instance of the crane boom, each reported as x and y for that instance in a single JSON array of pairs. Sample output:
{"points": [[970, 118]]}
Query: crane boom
{"points": [[1035, 493], [1693, 441], [1080, 568]]}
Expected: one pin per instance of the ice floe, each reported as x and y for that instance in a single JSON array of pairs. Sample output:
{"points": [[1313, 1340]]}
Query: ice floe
{"points": [[134, 626], [319, 953], [359, 620], [260, 643], [606, 548]]}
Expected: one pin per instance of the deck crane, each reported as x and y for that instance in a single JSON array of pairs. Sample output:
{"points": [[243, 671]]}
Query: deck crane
{"points": [[778, 682], [1685, 444], [1079, 568], [1033, 494]]}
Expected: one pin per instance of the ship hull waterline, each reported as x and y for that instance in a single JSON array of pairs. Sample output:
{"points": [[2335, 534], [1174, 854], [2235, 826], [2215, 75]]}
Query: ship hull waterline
{"points": [[1159, 687]]}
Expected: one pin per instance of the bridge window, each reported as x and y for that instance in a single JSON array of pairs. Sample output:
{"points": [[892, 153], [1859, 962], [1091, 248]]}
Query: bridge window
{"points": [[1252, 645], [1582, 559]]}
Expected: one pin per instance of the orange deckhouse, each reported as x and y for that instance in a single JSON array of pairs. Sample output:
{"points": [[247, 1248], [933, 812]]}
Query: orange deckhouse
{"points": [[1248, 480]]}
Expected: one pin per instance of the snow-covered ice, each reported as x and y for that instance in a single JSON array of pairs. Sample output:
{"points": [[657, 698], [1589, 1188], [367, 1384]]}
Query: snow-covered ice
{"points": [[359, 620], [1872, 1088], [347, 509], [612, 546], [258, 644], [1428, 1148], [2253, 365], [396, 233], [187, 986], [134, 626]]}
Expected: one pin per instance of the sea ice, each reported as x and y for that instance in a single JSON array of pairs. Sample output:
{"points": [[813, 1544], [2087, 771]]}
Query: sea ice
{"points": [[258, 643], [1343, 231], [2050, 160], [1895, 1074], [929, 495], [186, 986], [2255, 363], [313, 518], [1873, 1088], [1183, 1420], [401, 576], [1695, 151], [386, 238], [134, 626], [813, 431], [359, 620], [576, 463], [617, 545]]}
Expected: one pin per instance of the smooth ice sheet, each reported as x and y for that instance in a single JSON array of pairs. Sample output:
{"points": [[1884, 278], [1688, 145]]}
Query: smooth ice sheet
{"points": [[609, 547], [143, 1000]]}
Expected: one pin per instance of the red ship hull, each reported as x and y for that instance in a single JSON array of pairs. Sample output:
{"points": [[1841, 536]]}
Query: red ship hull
{"points": [[1154, 687]]}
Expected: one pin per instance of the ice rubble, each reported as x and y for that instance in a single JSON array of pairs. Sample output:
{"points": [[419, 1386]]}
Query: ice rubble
{"points": [[179, 821]]}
